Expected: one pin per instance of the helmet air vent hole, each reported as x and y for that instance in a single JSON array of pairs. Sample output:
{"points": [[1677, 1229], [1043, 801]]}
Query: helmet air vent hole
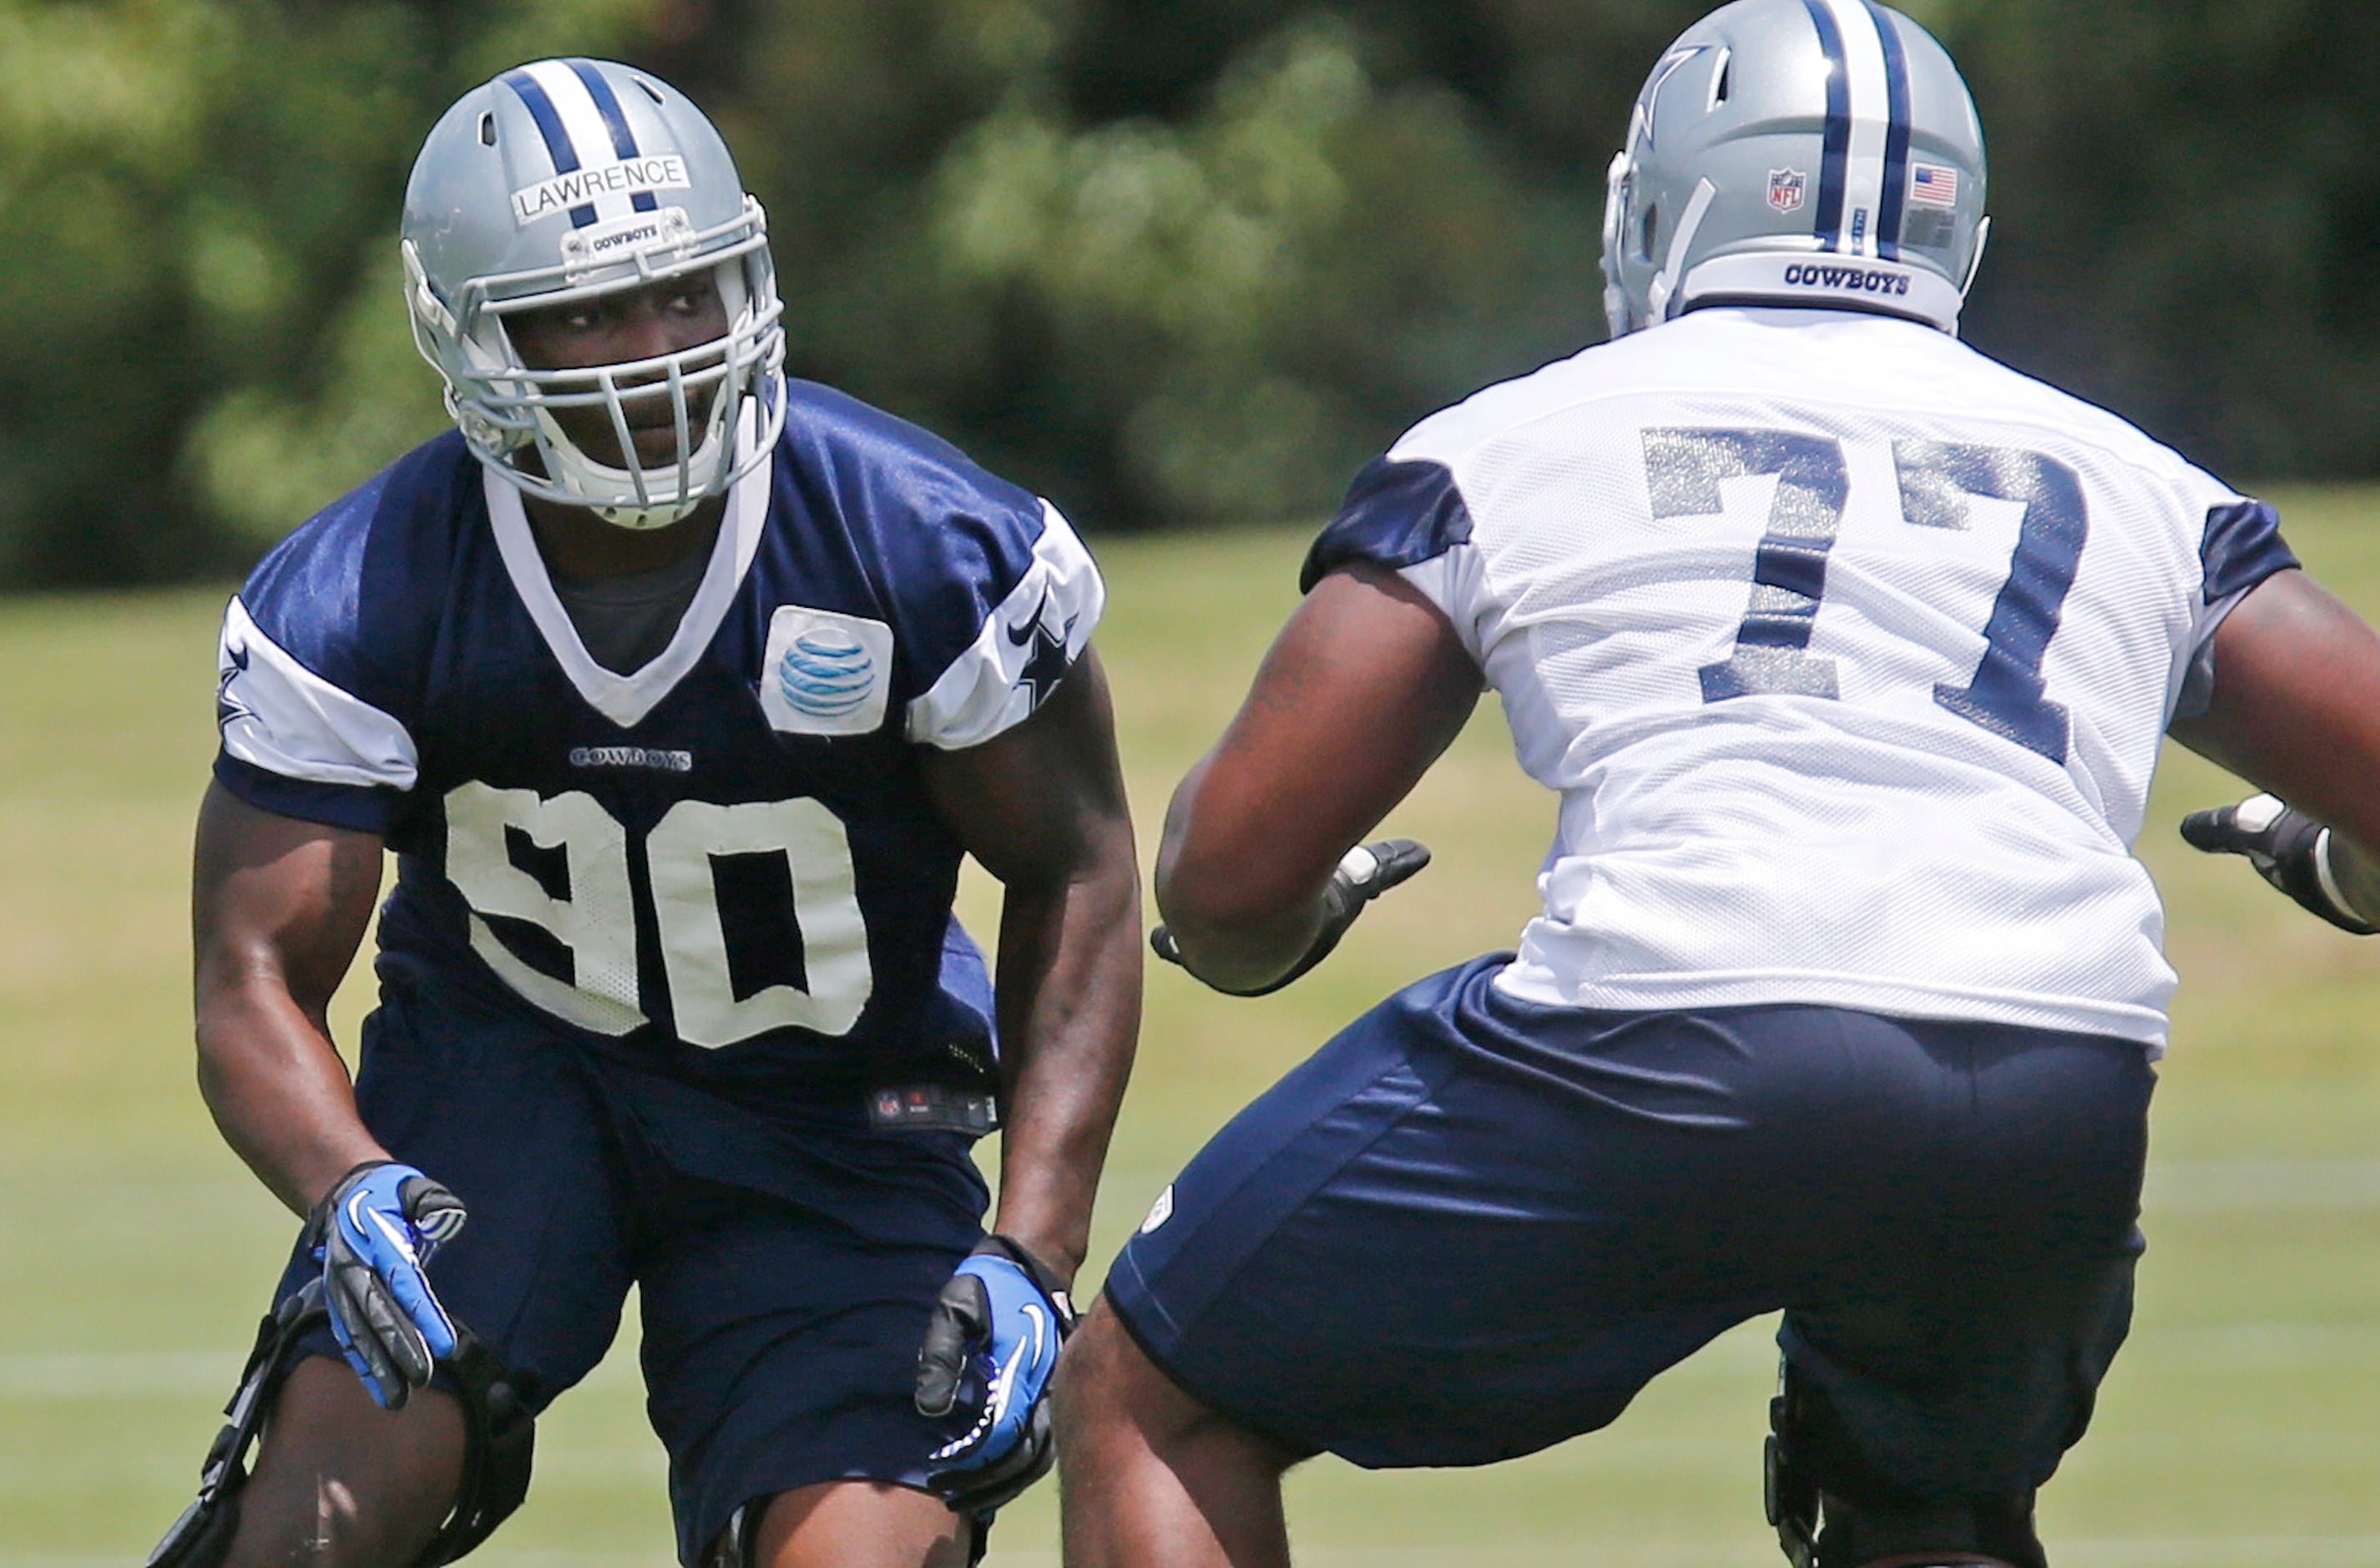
{"points": [[1719, 82], [650, 91], [1645, 233], [487, 131]]}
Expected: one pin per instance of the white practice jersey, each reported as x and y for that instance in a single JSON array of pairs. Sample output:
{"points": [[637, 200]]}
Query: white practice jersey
{"points": [[1849, 651]]}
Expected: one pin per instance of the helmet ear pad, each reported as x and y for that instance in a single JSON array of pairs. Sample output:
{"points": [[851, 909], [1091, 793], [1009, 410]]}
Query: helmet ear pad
{"points": [[1844, 157]]}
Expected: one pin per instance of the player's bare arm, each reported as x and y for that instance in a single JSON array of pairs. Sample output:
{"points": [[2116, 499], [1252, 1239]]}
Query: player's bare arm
{"points": [[2296, 711], [278, 907], [1042, 808], [1363, 689]]}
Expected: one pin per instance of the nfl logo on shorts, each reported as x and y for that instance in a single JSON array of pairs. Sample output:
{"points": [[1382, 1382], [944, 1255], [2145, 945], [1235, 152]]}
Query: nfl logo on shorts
{"points": [[1786, 188]]}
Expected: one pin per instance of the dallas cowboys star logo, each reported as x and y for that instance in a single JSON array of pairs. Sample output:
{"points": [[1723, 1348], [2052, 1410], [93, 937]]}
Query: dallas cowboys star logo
{"points": [[228, 706], [1046, 665], [1641, 119]]}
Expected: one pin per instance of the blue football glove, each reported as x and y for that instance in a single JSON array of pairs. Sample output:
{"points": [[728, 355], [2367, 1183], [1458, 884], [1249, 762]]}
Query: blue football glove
{"points": [[986, 1361], [1364, 872], [2287, 848], [374, 1233]]}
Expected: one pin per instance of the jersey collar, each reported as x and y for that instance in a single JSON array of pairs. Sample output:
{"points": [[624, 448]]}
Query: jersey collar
{"points": [[626, 699]]}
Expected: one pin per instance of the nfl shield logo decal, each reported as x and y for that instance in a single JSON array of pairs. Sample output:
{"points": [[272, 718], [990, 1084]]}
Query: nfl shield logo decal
{"points": [[1786, 188]]}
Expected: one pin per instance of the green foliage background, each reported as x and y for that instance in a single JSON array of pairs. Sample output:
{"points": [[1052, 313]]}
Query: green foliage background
{"points": [[1171, 261]]}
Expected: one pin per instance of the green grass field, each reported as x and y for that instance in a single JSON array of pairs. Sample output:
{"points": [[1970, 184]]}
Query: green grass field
{"points": [[2242, 1424]]}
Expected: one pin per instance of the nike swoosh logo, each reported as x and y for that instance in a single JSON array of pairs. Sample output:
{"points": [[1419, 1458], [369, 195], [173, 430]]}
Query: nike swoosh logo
{"points": [[1004, 1383], [1026, 630], [396, 1237]]}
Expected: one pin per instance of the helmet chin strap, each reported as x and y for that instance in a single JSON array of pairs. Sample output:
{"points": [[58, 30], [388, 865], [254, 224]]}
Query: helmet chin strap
{"points": [[1975, 257], [1616, 313], [1658, 295], [585, 479]]}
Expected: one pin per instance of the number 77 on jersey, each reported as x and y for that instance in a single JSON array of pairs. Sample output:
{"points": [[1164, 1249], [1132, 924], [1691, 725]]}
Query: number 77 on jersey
{"points": [[1937, 483]]}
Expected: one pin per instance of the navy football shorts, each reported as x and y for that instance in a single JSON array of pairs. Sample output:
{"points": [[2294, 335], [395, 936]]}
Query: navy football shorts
{"points": [[1472, 1226], [785, 1262]]}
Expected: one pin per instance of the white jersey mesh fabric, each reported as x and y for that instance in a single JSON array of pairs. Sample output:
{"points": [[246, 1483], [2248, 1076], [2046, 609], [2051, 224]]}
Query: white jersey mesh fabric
{"points": [[1848, 652]]}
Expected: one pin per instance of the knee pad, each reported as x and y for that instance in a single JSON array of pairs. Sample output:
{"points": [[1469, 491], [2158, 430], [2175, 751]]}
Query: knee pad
{"points": [[1790, 1494], [1835, 1516], [499, 1437]]}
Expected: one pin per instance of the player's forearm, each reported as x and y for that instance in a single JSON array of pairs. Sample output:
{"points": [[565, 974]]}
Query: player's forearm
{"points": [[1240, 916], [1068, 988], [278, 907], [1244, 954], [279, 1092]]}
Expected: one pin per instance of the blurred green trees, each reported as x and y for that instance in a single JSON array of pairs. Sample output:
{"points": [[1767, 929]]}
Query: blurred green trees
{"points": [[1168, 260]]}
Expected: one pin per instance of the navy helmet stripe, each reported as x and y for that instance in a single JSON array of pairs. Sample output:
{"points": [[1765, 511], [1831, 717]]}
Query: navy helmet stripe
{"points": [[607, 104], [557, 137], [549, 122], [624, 140], [1896, 138], [1832, 168]]}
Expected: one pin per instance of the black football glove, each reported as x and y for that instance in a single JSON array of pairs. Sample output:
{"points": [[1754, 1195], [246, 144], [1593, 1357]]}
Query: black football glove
{"points": [[2289, 849], [1364, 872]]}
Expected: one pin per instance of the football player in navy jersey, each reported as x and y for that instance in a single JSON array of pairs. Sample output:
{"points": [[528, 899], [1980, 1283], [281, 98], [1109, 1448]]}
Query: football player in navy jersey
{"points": [[680, 690], [1847, 654]]}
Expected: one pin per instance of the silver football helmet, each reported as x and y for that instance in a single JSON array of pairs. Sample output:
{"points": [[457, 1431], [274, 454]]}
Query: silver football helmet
{"points": [[557, 182], [1797, 153]]}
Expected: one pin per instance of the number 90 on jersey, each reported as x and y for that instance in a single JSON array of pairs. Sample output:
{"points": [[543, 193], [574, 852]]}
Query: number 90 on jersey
{"points": [[595, 919]]}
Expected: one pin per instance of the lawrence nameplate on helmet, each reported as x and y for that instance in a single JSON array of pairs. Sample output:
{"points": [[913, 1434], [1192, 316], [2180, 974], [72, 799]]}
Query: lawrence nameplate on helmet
{"points": [[629, 176]]}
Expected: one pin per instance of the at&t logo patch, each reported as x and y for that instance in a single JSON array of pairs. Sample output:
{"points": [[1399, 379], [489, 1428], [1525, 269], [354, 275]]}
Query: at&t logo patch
{"points": [[826, 673]]}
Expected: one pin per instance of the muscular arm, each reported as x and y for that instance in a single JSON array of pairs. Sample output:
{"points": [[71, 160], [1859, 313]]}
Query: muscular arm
{"points": [[1361, 692], [2296, 711], [278, 907], [1042, 808]]}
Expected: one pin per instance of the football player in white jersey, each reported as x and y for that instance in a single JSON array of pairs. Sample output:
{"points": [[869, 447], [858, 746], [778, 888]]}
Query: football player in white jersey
{"points": [[1847, 653], [680, 689]]}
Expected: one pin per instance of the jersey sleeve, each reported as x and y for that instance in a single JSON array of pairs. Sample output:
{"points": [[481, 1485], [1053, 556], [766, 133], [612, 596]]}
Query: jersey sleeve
{"points": [[310, 694], [1017, 612], [987, 595], [296, 744], [1407, 514], [2240, 546]]}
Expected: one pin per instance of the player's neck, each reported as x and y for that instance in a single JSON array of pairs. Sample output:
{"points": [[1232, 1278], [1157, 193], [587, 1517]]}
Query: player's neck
{"points": [[580, 546]]}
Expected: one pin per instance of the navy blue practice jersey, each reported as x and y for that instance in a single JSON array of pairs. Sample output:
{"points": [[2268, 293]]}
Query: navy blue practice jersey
{"points": [[726, 861]]}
